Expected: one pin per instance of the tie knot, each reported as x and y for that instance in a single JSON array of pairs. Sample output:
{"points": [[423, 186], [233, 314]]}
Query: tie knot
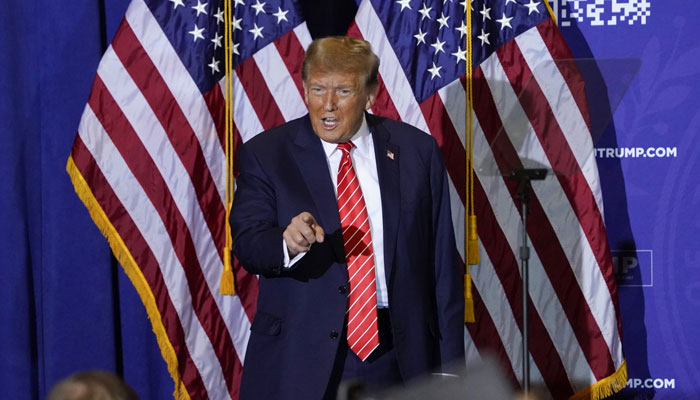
{"points": [[345, 147]]}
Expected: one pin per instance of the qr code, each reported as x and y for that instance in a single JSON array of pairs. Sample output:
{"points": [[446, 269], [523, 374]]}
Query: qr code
{"points": [[602, 12]]}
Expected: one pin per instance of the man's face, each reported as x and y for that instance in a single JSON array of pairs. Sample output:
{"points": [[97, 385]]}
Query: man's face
{"points": [[336, 102]]}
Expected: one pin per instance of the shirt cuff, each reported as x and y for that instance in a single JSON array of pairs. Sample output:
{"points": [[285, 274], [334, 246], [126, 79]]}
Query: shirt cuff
{"points": [[288, 264]]}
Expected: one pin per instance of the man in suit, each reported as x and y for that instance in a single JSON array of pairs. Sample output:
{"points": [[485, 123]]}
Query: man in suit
{"points": [[345, 217]]}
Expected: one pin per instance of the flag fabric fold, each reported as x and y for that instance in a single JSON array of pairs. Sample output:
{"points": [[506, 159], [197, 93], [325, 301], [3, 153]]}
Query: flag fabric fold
{"points": [[530, 109], [149, 163]]}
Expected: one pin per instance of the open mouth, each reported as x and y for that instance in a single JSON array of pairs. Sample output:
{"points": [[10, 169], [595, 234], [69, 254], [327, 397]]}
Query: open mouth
{"points": [[329, 122]]}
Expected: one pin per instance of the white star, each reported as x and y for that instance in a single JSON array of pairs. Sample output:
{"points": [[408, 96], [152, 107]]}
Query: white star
{"points": [[420, 36], [214, 65], [438, 46], [196, 33], [257, 32], [484, 37], [219, 15], [217, 40], [511, 1], [532, 6], [259, 7], [434, 71], [177, 3], [460, 54], [462, 29], [485, 12], [236, 23], [404, 4], [281, 15], [425, 11], [237, 2], [504, 21], [235, 49], [201, 8], [443, 21]]}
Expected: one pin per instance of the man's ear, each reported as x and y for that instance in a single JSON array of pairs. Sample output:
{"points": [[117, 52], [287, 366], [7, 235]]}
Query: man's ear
{"points": [[306, 93], [371, 95]]}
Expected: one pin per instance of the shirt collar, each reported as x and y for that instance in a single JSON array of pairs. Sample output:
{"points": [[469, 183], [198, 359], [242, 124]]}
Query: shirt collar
{"points": [[361, 140]]}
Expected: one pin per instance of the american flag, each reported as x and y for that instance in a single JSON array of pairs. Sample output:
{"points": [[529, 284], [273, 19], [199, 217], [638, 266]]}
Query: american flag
{"points": [[149, 163], [530, 110]]}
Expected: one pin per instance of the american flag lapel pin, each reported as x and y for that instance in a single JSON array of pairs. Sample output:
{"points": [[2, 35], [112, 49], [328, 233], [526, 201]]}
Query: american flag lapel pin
{"points": [[390, 154]]}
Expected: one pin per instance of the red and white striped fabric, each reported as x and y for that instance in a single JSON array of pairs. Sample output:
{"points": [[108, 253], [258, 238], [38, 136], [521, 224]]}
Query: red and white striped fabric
{"points": [[149, 163], [575, 345]]}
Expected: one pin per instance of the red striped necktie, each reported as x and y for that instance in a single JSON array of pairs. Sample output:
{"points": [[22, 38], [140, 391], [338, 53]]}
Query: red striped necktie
{"points": [[363, 332]]}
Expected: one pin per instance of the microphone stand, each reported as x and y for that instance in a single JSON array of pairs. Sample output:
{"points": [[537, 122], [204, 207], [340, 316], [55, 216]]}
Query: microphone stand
{"points": [[524, 176]]}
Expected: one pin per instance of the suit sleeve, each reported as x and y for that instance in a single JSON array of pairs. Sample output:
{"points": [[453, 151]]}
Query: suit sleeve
{"points": [[448, 270], [257, 236]]}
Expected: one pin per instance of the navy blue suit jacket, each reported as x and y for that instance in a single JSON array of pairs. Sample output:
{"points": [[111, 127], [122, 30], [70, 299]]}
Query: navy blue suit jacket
{"points": [[293, 341]]}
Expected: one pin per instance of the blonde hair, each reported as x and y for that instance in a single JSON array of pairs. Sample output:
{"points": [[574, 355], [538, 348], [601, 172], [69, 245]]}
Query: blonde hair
{"points": [[342, 54]]}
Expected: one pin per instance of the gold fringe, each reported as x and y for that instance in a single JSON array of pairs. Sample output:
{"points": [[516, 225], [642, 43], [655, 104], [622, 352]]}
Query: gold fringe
{"points": [[468, 299], [227, 285], [605, 387], [121, 252]]}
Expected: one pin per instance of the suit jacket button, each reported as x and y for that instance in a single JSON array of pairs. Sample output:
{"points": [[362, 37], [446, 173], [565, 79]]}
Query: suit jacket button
{"points": [[334, 335], [342, 289]]}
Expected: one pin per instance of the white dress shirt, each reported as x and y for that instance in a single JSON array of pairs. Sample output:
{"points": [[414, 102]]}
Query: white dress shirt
{"points": [[365, 165]]}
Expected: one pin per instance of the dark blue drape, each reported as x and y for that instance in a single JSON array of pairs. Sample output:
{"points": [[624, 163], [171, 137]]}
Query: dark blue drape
{"points": [[65, 305]]}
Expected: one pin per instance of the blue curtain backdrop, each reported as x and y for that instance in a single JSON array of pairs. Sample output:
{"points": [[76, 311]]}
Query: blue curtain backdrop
{"points": [[66, 306]]}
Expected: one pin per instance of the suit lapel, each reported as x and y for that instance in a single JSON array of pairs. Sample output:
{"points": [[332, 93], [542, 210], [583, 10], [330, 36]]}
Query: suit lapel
{"points": [[311, 160], [387, 155]]}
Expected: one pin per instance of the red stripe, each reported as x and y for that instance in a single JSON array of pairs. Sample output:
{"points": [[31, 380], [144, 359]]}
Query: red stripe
{"points": [[216, 103], [183, 139], [542, 235], [452, 149], [246, 283], [560, 51], [486, 338], [146, 262], [543, 352], [259, 94], [144, 169], [292, 53]]}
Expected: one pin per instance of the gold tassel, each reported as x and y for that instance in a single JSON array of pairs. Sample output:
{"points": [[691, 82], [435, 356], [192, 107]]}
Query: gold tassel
{"points": [[468, 299], [227, 285], [472, 242]]}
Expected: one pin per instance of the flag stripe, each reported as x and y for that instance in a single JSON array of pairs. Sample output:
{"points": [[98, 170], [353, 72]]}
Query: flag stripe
{"points": [[283, 88], [578, 193], [148, 222], [183, 88], [504, 263], [544, 240], [175, 125], [292, 53], [499, 211], [252, 81], [151, 134], [144, 170], [126, 228]]}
